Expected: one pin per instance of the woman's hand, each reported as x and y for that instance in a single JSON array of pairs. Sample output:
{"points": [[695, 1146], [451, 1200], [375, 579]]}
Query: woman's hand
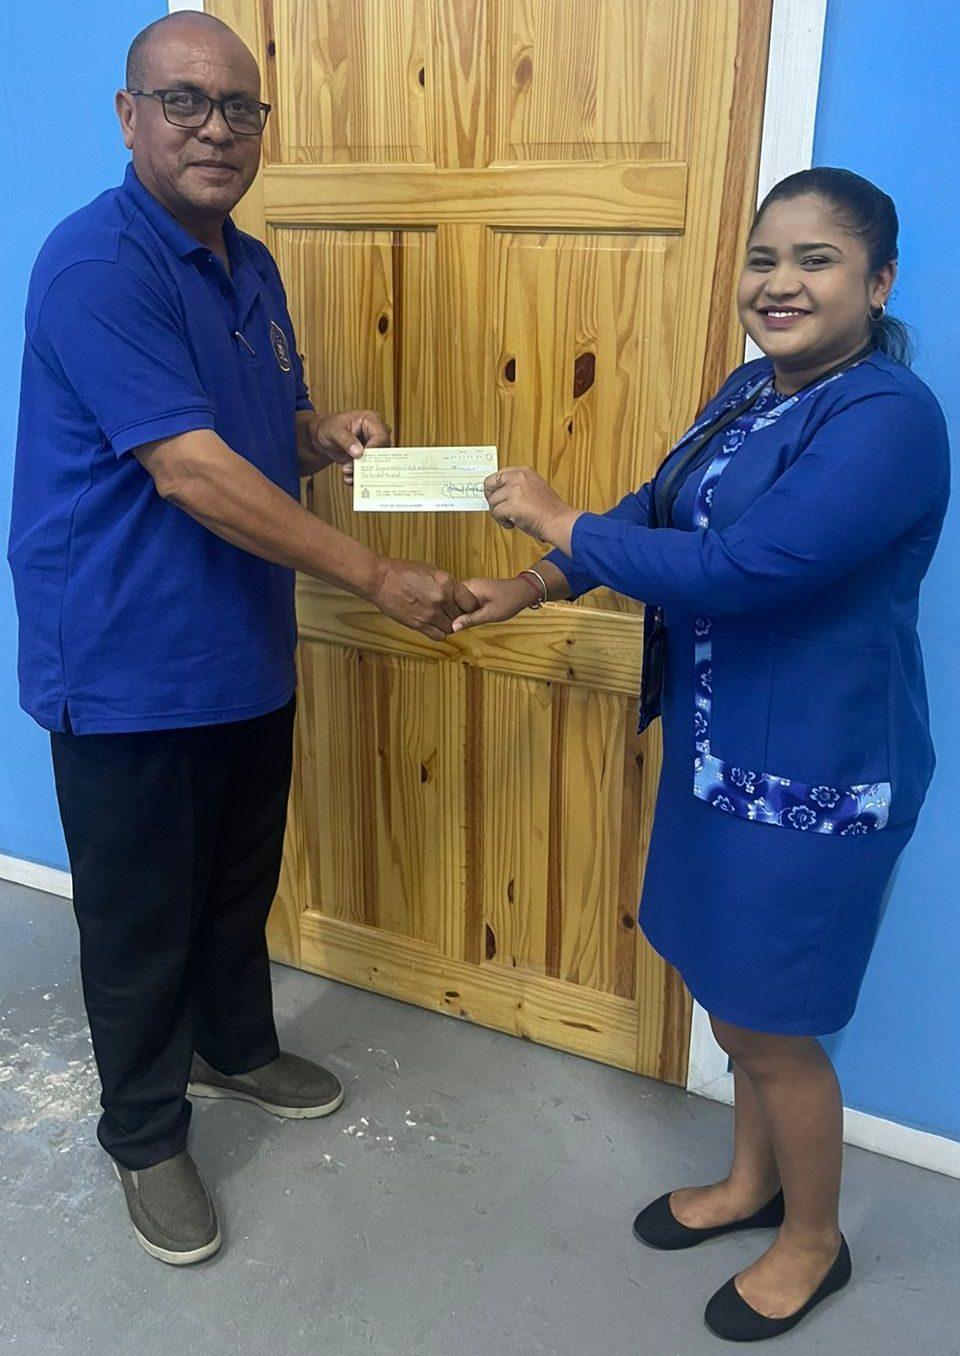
{"points": [[519, 497], [498, 600]]}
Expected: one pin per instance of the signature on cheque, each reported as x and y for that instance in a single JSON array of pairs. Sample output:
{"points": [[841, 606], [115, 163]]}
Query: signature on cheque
{"points": [[458, 489]]}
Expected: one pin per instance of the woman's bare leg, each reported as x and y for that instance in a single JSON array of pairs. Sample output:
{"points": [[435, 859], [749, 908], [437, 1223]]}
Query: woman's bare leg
{"points": [[797, 1092], [753, 1178]]}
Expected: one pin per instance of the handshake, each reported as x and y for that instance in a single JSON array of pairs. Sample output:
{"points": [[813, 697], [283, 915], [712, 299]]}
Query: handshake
{"points": [[437, 605], [422, 597]]}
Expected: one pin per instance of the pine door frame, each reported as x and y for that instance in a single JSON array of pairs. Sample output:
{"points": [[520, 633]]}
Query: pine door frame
{"points": [[786, 145]]}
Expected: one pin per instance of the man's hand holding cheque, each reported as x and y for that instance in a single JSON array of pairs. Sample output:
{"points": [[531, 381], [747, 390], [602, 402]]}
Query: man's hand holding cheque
{"points": [[338, 438]]}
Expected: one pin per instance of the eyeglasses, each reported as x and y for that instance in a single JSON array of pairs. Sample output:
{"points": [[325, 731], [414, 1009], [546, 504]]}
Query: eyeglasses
{"points": [[188, 108]]}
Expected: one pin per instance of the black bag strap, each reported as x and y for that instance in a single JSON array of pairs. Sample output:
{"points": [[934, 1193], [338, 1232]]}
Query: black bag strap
{"points": [[665, 494]]}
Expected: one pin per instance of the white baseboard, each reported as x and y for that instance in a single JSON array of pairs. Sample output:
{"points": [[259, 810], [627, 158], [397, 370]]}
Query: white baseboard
{"points": [[45, 878], [934, 1152], [707, 1076]]}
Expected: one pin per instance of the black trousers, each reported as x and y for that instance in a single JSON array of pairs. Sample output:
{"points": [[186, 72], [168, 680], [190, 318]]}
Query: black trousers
{"points": [[175, 840]]}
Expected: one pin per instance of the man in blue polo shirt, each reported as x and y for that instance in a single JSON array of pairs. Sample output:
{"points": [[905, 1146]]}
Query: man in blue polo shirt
{"points": [[156, 528]]}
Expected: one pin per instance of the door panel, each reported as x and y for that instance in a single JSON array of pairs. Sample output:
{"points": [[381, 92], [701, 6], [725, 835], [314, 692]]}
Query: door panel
{"points": [[354, 91], [593, 80]]}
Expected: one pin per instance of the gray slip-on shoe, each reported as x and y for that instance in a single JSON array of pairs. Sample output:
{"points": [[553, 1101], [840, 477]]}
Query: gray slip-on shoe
{"points": [[172, 1214], [288, 1086]]}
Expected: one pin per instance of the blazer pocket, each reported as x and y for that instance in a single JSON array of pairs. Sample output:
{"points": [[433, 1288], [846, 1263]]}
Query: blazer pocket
{"points": [[828, 713]]}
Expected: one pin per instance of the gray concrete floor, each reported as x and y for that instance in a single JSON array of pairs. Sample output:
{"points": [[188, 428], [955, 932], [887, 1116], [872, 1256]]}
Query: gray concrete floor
{"points": [[474, 1196]]}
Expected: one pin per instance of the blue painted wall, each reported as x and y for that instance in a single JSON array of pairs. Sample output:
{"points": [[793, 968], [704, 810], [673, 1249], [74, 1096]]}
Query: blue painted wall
{"points": [[889, 85], [60, 145], [889, 92]]}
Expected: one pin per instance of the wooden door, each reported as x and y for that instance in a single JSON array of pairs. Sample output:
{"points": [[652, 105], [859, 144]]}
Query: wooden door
{"points": [[513, 222]]}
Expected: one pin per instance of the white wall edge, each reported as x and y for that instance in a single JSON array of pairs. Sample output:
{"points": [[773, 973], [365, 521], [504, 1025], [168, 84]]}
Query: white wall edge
{"points": [[196, 6], [790, 106], [45, 878], [793, 86], [707, 1072]]}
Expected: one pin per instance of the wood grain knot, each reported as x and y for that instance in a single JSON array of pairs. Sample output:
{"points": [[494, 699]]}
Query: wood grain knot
{"points": [[584, 373], [424, 773], [523, 73], [628, 920], [421, 76], [510, 370], [491, 947], [570, 427], [271, 48], [510, 885], [383, 324]]}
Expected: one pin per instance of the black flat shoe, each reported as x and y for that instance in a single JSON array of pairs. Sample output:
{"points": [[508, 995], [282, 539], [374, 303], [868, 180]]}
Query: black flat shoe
{"points": [[658, 1226], [728, 1314]]}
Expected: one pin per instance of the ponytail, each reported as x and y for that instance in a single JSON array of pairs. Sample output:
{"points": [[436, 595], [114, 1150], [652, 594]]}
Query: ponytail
{"points": [[892, 337]]}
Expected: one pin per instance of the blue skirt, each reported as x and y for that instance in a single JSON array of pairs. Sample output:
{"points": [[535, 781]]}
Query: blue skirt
{"points": [[771, 928]]}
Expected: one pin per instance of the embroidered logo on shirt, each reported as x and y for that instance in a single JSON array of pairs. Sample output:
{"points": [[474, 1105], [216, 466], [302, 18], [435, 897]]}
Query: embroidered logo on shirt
{"points": [[281, 350]]}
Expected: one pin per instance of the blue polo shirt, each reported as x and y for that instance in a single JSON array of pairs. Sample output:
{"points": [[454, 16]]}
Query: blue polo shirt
{"points": [[132, 615]]}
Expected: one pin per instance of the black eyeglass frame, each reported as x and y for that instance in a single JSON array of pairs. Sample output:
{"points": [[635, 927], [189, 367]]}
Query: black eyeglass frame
{"points": [[212, 104]]}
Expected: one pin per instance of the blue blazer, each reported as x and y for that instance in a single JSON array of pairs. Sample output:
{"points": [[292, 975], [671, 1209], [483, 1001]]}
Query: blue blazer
{"points": [[822, 528]]}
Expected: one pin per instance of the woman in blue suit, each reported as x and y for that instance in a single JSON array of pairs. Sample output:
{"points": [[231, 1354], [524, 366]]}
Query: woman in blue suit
{"points": [[781, 545]]}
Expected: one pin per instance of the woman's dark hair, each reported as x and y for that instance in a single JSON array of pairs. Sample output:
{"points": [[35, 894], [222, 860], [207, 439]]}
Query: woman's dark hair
{"points": [[865, 211]]}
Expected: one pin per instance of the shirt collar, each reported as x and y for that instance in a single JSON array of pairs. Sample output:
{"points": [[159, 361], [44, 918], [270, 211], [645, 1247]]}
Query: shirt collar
{"points": [[235, 251], [245, 277], [244, 274], [176, 236]]}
